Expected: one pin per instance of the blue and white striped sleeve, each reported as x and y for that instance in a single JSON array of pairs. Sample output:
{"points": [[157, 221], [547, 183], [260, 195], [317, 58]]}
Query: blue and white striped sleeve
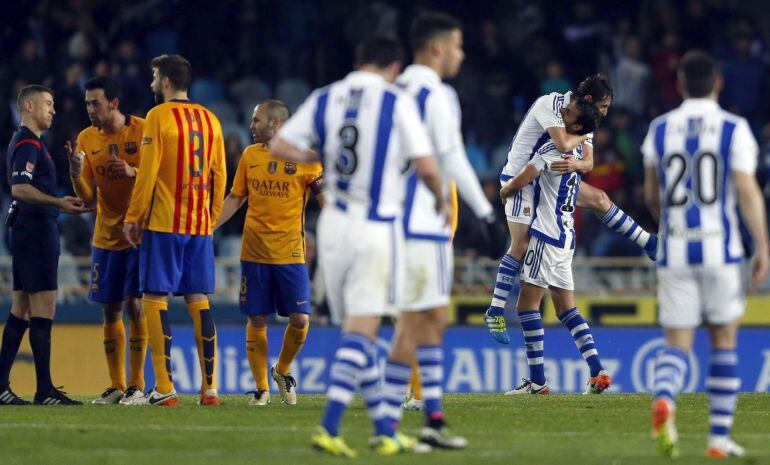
{"points": [[744, 151], [302, 129]]}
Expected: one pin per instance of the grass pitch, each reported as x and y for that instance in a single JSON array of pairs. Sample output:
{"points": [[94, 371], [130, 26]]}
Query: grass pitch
{"points": [[611, 429]]}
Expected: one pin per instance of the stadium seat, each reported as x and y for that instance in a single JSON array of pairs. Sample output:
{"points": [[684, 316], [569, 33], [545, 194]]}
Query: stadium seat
{"points": [[292, 92], [224, 111], [249, 89], [206, 91]]}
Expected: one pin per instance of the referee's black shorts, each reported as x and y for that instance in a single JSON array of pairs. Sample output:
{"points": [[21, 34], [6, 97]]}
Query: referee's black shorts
{"points": [[35, 253]]}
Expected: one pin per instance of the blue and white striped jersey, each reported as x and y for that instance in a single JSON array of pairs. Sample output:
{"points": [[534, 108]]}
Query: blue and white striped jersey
{"points": [[532, 133], [440, 111], [555, 196], [695, 148], [366, 131]]}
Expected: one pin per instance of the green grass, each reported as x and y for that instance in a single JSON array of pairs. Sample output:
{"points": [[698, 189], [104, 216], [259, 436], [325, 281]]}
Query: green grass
{"points": [[558, 429]]}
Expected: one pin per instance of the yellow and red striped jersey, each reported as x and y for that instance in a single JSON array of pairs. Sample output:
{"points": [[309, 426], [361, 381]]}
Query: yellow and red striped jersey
{"points": [[181, 181], [113, 191], [277, 192]]}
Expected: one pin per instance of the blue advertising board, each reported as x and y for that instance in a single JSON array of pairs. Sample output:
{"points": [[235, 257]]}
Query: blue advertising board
{"points": [[476, 363]]}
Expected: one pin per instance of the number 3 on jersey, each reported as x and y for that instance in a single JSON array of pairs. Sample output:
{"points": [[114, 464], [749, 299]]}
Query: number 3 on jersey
{"points": [[196, 163], [347, 158]]}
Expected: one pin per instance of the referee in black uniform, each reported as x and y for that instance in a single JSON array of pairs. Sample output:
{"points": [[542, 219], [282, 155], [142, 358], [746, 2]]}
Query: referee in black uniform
{"points": [[34, 246]]}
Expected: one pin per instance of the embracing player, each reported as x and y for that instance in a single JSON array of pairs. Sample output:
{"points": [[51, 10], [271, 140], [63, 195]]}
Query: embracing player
{"points": [[700, 162], [544, 121], [274, 276], [104, 169], [548, 259]]}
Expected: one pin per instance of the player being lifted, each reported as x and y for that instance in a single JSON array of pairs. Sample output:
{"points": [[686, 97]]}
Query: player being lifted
{"points": [[544, 121], [700, 162], [548, 259], [366, 130], [274, 276], [437, 42], [107, 157], [178, 197]]}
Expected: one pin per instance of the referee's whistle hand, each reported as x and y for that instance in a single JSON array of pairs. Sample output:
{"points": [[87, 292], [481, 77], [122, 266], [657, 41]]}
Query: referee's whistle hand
{"points": [[131, 232], [73, 205]]}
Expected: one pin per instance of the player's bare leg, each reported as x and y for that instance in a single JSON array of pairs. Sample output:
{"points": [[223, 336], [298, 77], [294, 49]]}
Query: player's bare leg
{"points": [[614, 218], [507, 271], [256, 352], [572, 320], [722, 384], [527, 307], [293, 340], [206, 340], [115, 352]]}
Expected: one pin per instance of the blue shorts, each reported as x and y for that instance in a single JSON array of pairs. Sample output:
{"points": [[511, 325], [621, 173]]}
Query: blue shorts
{"points": [[114, 275], [267, 289], [177, 263], [35, 253]]}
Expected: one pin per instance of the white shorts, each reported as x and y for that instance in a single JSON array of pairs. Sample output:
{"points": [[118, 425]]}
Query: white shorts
{"points": [[689, 296], [546, 265], [361, 261], [429, 269], [520, 207]]}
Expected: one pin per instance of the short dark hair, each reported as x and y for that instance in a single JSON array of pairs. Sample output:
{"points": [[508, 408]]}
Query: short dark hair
{"points": [[597, 86], [699, 72], [28, 91], [276, 109], [380, 51], [589, 117], [110, 86], [176, 68], [427, 26]]}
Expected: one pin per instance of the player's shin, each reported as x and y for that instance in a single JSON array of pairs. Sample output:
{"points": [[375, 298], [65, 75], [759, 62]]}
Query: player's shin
{"points": [[584, 341], [206, 340], [293, 340], [722, 384], [350, 359], [115, 351], [618, 221], [13, 333], [506, 276], [159, 332], [256, 352], [532, 327], [137, 347]]}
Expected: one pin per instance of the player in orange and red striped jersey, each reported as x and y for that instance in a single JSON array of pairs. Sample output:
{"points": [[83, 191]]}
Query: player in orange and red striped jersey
{"points": [[177, 198]]}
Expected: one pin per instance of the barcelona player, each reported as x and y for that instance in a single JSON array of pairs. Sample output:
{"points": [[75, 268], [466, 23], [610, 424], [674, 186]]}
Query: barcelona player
{"points": [[177, 198], [274, 276], [107, 158]]}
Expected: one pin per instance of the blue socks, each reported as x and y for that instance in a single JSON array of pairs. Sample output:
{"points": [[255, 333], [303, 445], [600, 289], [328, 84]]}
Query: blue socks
{"points": [[532, 326], [581, 333], [506, 276]]}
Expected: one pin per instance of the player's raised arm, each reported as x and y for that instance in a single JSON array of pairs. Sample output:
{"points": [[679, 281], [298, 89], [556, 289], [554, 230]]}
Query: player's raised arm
{"points": [[81, 173], [218, 178]]}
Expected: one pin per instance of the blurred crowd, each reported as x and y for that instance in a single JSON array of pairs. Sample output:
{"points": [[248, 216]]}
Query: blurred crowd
{"points": [[243, 51]]}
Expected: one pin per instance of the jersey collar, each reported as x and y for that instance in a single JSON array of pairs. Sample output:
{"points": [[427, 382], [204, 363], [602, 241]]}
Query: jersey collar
{"points": [[364, 76], [28, 131], [699, 104], [423, 71]]}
